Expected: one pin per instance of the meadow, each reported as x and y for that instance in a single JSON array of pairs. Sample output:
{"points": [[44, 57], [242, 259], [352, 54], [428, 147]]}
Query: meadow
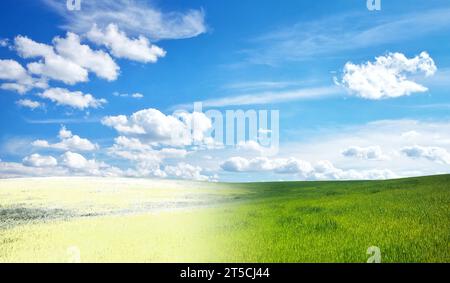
{"points": [[128, 220]]}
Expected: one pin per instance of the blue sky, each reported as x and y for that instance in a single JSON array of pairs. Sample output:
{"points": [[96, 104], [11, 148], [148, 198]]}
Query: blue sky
{"points": [[342, 115]]}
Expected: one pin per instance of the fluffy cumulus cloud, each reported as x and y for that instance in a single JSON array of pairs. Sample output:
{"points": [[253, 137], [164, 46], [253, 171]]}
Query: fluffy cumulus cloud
{"points": [[18, 78], [367, 153], [265, 164], [186, 171], [387, 77], [325, 170], [146, 160], [152, 126], [78, 164], [4, 42], [74, 99], [134, 149], [136, 17], [255, 147], [322, 170], [149, 138], [68, 164], [29, 103], [67, 60], [236, 164], [144, 155], [37, 160], [18, 170], [121, 46], [435, 154], [97, 62], [76, 161], [51, 65], [68, 141], [11, 70]]}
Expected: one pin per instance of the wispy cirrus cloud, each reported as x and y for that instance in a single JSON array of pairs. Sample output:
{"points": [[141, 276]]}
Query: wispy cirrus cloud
{"points": [[268, 97], [332, 35], [260, 85], [135, 17], [83, 120]]}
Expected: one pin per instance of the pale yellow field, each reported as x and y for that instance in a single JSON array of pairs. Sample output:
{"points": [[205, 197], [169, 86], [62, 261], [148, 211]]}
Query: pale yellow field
{"points": [[105, 220], [163, 237]]}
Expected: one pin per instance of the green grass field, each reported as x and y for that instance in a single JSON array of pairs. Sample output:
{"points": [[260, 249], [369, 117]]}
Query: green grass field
{"points": [[42, 220]]}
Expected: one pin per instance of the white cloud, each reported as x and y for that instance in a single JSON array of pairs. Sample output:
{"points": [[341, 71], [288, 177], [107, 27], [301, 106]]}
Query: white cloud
{"points": [[152, 126], [122, 125], [133, 149], [173, 153], [29, 103], [268, 97], [4, 42], [387, 76], [52, 65], [146, 159], [325, 170], [435, 154], [28, 48], [18, 170], [11, 70], [139, 49], [20, 80], [236, 164], [337, 34], [36, 160], [67, 60], [135, 17], [367, 153], [149, 137], [146, 170], [70, 164], [74, 99], [265, 164], [327, 144], [292, 166], [130, 144], [252, 146], [409, 135], [78, 164], [19, 88], [261, 85], [97, 62], [68, 141], [255, 147], [186, 171], [322, 170], [136, 95], [75, 161]]}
